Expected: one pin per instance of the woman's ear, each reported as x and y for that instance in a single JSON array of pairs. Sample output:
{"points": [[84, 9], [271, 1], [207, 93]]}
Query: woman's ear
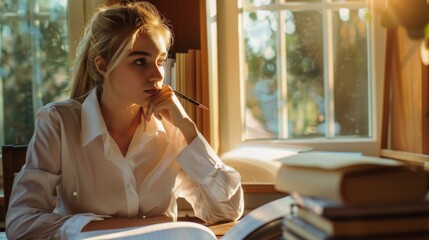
{"points": [[101, 65]]}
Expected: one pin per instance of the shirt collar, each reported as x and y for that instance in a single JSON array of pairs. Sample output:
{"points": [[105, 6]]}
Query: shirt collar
{"points": [[93, 124]]}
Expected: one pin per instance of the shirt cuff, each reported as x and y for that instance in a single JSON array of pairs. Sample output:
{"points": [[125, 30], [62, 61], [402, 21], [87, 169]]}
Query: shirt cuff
{"points": [[73, 226], [202, 164], [198, 159]]}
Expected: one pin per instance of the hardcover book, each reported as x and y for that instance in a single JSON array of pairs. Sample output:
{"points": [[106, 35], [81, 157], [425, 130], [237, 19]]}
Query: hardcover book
{"points": [[295, 228], [351, 179], [369, 225], [332, 209]]}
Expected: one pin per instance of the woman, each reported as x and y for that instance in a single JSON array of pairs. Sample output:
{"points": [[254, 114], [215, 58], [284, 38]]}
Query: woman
{"points": [[122, 147]]}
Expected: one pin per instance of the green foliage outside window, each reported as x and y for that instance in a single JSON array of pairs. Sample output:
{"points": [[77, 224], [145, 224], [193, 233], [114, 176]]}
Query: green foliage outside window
{"points": [[34, 62], [297, 83]]}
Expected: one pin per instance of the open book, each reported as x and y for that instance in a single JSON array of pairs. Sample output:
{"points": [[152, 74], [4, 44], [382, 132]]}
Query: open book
{"points": [[264, 220]]}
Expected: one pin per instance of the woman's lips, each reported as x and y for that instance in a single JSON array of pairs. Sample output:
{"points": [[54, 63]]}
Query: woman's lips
{"points": [[152, 91]]}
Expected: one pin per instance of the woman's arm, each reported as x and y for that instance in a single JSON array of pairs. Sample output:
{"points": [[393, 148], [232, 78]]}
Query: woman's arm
{"points": [[212, 188], [30, 213]]}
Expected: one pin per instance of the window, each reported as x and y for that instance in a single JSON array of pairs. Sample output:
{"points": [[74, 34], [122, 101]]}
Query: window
{"points": [[307, 73], [34, 63], [37, 43]]}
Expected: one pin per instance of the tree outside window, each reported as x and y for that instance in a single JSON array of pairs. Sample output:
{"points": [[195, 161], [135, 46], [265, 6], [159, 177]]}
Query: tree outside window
{"points": [[34, 62]]}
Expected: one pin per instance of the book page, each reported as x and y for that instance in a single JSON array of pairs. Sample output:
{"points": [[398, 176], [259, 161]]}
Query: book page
{"points": [[258, 217], [165, 231], [262, 152], [335, 160]]}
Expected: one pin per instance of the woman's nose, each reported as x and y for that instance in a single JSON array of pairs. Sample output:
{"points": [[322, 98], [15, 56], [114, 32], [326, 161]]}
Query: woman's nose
{"points": [[158, 74]]}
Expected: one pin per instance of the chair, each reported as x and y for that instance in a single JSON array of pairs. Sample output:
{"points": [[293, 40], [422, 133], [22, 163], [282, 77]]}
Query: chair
{"points": [[13, 160]]}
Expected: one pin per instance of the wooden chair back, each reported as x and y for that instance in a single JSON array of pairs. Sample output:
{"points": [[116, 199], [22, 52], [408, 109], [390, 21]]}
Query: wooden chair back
{"points": [[13, 160]]}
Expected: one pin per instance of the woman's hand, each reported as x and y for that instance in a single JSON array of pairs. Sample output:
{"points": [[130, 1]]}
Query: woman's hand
{"points": [[165, 104]]}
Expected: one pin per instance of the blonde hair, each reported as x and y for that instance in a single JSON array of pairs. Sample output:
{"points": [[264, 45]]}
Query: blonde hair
{"points": [[110, 34]]}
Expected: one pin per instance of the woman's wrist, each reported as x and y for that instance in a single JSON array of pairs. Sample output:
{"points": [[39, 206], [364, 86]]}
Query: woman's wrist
{"points": [[189, 130]]}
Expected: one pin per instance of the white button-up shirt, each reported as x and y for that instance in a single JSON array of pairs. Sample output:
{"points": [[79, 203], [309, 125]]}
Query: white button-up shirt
{"points": [[73, 161]]}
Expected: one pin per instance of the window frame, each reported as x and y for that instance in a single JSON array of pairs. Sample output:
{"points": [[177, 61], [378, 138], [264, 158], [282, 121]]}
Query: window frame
{"points": [[79, 12], [230, 103]]}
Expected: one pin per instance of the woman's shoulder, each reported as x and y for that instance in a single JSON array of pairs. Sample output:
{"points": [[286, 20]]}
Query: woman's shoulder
{"points": [[60, 113], [68, 105]]}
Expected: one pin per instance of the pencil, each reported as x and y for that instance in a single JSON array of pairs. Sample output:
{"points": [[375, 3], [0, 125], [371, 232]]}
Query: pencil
{"points": [[190, 100]]}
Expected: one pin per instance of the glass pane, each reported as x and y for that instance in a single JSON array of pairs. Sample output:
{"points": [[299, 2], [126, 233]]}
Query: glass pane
{"points": [[291, 101], [303, 1], [260, 35], [259, 2], [351, 86], [305, 81], [362, 1], [34, 62]]}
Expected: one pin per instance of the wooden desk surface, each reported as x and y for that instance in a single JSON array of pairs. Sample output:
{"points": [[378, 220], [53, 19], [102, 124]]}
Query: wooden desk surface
{"points": [[220, 229]]}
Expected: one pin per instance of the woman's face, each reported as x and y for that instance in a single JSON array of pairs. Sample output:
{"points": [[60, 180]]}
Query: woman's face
{"points": [[140, 75]]}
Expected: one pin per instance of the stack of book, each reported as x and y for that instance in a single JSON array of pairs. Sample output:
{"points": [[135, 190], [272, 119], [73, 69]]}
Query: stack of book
{"points": [[351, 196]]}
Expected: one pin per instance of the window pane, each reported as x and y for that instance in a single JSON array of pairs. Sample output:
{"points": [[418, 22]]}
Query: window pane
{"points": [[304, 83], [362, 1], [351, 72], [305, 80], [259, 2], [34, 62], [303, 1], [321, 89], [260, 32]]}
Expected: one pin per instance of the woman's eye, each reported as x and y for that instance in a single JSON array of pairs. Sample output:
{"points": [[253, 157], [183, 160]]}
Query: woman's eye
{"points": [[140, 61], [162, 62]]}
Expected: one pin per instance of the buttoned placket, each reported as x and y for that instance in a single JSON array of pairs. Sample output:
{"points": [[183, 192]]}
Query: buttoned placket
{"points": [[114, 154], [131, 193]]}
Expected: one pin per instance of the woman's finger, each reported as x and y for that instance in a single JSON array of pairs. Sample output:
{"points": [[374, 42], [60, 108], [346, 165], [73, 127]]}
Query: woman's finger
{"points": [[163, 100]]}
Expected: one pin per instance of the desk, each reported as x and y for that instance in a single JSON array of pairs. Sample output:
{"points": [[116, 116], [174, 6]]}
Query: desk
{"points": [[220, 229]]}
